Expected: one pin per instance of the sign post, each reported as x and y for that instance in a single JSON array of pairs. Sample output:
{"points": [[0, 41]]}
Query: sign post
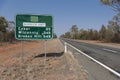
{"points": [[33, 27], [22, 52]]}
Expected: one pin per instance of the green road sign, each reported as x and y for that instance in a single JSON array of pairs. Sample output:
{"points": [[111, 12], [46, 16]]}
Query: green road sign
{"points": [[33, 27]]}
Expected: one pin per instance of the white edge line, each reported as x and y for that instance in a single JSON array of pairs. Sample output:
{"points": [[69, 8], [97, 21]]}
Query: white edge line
{"points": [[106, 67]]}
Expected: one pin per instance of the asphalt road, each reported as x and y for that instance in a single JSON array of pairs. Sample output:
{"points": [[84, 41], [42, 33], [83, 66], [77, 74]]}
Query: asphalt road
{"points": [[107, 55]]}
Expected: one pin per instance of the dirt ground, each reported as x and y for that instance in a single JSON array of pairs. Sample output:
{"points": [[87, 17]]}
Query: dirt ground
{"points": [[57, 65]]}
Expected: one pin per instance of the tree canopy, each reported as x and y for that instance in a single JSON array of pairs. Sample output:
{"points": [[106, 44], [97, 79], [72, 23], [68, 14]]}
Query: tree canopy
{"points": [[106, 33], [3, 24], [74, 31], [115, 4]]}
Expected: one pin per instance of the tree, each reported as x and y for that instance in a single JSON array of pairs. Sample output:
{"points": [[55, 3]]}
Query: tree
{"points": [[11, 26], [62, 36], [114, 27], [109, 34], [95, 35], [115, 4], [3, 24], [74, 31], [116, 38], [102, 32], [90, 34], [54, 35], [67, 35], [83, 34], [116, 22]]}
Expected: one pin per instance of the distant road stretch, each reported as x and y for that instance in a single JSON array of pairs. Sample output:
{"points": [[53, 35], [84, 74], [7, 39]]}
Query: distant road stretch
{"points": [[107, 55]]}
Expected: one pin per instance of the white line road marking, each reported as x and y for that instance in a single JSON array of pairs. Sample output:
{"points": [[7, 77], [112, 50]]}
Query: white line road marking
{"points": [[106, 67], [109, 50]]}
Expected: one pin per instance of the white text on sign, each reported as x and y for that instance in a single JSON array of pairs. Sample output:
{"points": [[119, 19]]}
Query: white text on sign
{"points": [[34, 24]]}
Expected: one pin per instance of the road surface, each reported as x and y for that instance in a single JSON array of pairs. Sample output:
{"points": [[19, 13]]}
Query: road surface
{"points": [[107, 55]]}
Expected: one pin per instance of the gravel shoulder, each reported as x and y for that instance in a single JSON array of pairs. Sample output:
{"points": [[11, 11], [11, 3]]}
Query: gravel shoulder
{"points": [[56, 66]]}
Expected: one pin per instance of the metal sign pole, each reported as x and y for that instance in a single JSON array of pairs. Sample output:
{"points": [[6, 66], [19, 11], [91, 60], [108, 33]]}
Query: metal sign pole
{"points": [[45, 58], [45, 52], [22, 52]]}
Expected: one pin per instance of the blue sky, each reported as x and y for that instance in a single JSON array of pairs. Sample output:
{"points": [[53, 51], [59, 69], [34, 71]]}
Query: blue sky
{"points": [[85, 14]]}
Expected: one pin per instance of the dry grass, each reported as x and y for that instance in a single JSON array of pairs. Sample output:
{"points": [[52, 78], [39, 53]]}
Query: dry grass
{"points": [[57, 66]]}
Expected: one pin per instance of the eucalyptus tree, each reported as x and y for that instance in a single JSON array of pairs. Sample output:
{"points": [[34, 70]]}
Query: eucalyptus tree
{"points": [[115, 4], [74, 32]]}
